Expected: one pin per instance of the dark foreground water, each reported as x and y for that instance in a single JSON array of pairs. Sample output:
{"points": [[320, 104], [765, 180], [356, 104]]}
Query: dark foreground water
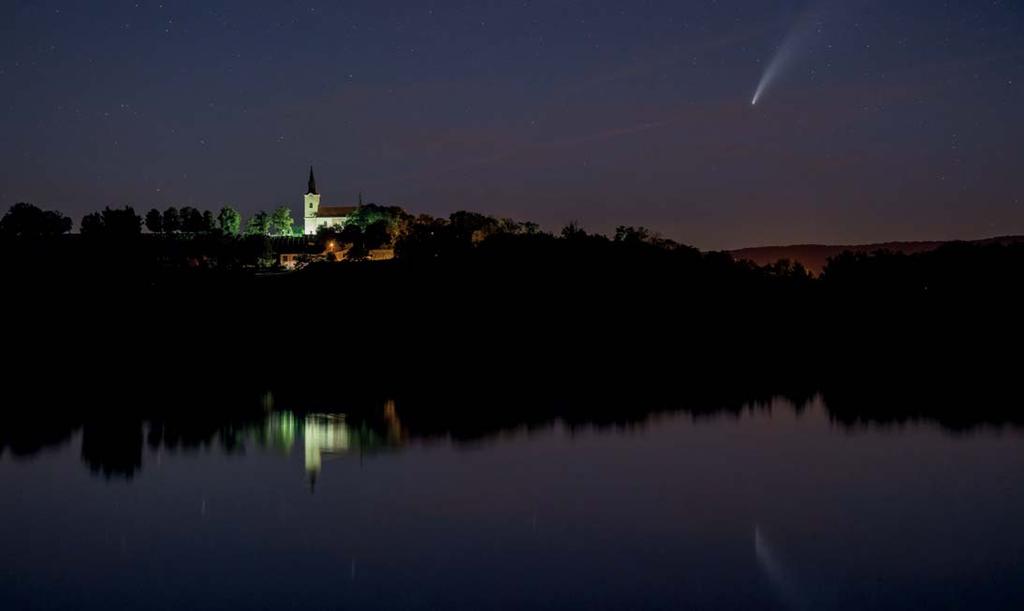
{"points": [[770, 509]]}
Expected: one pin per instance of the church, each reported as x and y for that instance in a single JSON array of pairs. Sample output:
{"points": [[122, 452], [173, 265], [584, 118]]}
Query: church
{"points": [[316, 216]]}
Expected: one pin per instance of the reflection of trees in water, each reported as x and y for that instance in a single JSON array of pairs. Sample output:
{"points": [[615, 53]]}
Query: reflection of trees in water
{"points": [[955, 407], [112, 445], [26, 435], [279, 431]]}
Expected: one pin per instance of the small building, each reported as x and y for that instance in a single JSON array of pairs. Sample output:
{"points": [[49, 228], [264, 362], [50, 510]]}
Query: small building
{"points": [[381, 254], [294, 251], [316, 216]]}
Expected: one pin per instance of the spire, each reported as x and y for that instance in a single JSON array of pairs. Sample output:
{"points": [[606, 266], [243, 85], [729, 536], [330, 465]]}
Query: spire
{"points": [[360, 198], [312, 182]]}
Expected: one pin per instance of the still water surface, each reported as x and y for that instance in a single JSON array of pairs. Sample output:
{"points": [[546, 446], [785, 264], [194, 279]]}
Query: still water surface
{"points": [[773, 509]]}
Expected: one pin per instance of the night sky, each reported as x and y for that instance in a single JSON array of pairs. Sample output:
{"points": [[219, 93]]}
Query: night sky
{"points": [[882, 119]]}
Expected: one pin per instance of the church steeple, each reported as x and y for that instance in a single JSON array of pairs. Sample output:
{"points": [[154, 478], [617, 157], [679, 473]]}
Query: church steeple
{"points": [[311, 205], [311, 189]]}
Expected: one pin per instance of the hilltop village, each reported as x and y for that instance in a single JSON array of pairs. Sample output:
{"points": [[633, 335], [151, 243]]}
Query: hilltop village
{"points": [[265, 241]]}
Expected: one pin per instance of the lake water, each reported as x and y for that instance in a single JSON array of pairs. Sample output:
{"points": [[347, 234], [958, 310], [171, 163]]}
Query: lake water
{"points": [[770, 509]]}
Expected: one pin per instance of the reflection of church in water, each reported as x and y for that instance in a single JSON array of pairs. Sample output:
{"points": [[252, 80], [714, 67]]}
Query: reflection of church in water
{"points": [[328, 436]]}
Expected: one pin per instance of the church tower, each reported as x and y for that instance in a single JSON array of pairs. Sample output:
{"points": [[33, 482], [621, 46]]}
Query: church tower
{"points": [[311, 204]]}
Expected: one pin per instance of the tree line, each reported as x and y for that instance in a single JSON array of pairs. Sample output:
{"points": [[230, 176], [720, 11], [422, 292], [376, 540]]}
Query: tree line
{"points": [[473, 299], [228, 221], [24, 220], [466, 236]]}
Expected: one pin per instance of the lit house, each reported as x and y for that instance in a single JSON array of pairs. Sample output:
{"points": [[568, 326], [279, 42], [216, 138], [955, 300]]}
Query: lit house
{"points": [[293, 251], [316, 216]]}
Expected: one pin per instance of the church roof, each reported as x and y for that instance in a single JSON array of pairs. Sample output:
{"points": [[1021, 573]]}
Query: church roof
{"points": [[333, 211], [312, 182]]}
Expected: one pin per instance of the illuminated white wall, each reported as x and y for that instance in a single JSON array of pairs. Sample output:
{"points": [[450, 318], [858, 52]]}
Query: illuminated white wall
{"points": [[314, 223]]}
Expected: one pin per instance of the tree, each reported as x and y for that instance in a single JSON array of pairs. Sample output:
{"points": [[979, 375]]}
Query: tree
{"points": [[509, 226], [154, 221], [473, 226], [429, 238], [398, 221], [27, 221], [280, 221], [195, 221], [92, 224], [633, 235], [209, 224], [355, 237], [172, 220], [573, 231], [185, 214], [376, 235], [259, 224], [229, 221], [350, 233], [191, 220], [122, 221], [112, 223]]}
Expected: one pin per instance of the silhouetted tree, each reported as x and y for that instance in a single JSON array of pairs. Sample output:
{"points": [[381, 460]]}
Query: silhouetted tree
{"points": [[112, 223], [428, 239], [185, 214], [376, 235], [122, 221], [154, 221], [785, 268], [358, 240], [632, 234], [513, 227], [27, 221], [209, 223], [92, 224], [192, 220], [171, 220], [473, 226], [573, 230]]}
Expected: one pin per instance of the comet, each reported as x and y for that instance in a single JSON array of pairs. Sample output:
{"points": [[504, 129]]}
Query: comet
{"points": [[781, 59], [795, 40]]}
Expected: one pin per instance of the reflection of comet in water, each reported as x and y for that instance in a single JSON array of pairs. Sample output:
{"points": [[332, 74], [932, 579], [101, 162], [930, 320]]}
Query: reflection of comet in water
{"points": [[782, 580]]}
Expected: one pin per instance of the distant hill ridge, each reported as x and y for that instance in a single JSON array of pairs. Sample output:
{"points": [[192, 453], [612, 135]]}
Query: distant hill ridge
{"points": [[815, 256]]}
